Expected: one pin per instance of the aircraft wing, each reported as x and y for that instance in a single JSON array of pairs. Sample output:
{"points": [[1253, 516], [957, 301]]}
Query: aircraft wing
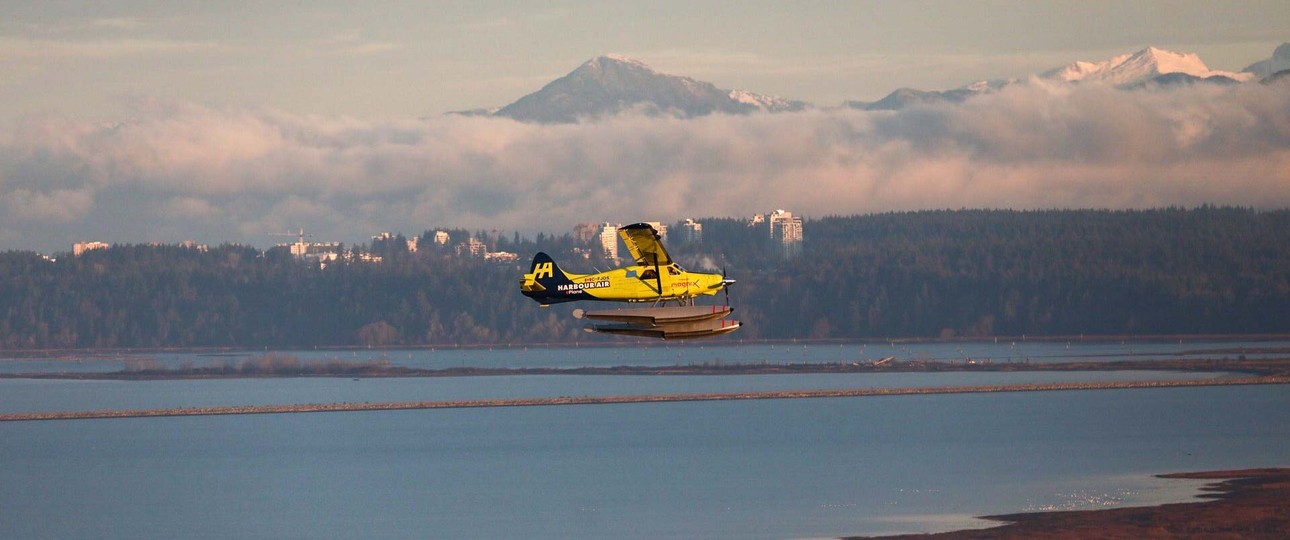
{"points": [[643, 241]]}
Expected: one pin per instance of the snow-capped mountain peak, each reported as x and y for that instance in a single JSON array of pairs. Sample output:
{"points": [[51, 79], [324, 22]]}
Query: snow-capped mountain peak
{"points": [[613, 83], [1081, 70], [612, 58], [766, 103], [1136, 68]]}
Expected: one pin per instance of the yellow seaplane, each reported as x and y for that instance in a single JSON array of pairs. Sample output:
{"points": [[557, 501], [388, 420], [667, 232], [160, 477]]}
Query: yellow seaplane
{"points": [[655, 278]]}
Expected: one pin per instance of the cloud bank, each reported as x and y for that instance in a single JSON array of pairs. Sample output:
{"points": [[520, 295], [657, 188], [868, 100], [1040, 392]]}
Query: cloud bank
{"points": [[177, 171]]}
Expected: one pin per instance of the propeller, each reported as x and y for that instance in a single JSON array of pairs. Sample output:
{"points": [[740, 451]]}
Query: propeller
{"points": [[726, 283]]}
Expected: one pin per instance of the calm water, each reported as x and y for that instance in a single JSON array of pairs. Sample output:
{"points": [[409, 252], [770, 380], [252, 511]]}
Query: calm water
{"points": [[754, 469]]}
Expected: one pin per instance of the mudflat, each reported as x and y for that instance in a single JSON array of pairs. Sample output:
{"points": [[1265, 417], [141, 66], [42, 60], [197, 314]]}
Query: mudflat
{"points": [[1245, 504]]}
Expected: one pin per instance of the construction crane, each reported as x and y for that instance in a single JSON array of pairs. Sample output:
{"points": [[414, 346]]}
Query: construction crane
{"points": [[298, 249]]}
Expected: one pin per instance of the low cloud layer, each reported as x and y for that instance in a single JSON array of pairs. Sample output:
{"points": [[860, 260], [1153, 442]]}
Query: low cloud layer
{"points": [[177, 171]]}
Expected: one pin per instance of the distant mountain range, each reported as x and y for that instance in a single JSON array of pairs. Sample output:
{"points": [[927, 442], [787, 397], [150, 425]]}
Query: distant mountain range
{"points": [[1146, 68], [613, 84]]}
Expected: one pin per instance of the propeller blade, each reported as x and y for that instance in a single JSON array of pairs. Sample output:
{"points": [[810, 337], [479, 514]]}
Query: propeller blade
{"points": [[725, 284]]}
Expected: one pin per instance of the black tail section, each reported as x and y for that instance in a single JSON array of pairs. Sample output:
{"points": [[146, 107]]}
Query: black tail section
{"points": [[547, 284], [546, 272], [540, 258]]}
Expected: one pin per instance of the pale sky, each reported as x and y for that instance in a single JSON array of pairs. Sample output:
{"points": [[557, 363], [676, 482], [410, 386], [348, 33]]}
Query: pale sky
{"points": [[224, 121], [418, 58]]}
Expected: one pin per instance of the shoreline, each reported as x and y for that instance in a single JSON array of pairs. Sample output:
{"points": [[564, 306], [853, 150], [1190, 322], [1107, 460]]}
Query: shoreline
{"points": [[1248, 503], [287, 366], [631, 399], [649, 343], [1238, 372]]}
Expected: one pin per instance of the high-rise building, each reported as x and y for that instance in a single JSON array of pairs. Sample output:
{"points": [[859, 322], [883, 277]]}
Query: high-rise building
{"points": [[609, 240], [691, 231], [584, 233], [784, 227]]}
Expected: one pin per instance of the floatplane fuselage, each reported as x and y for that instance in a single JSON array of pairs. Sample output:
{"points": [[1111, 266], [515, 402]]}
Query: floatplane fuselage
{"points": [[655, 278]]}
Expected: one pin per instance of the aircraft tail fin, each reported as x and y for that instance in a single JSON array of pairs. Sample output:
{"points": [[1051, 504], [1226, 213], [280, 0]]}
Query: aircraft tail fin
{"points": [[544, 279]]}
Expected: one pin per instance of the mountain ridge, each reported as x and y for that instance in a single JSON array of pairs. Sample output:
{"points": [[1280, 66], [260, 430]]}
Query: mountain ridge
{"points": [[1137, 68], [613, 84], [1280, 61]]}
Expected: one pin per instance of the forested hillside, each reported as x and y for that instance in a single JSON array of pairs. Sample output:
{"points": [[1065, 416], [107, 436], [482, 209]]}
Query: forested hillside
{"points": [[920, 274]]}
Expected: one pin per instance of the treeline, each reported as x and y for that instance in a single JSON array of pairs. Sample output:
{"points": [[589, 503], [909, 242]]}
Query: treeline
{"points": [[920, 274], [988, 273]]}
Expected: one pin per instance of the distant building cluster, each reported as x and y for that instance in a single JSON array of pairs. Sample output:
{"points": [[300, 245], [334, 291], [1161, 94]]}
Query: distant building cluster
{"points": [[193, 244], [80, 248], [783, 228], [473, 247], [607, 234], [327, 252], [320, 252], [306, 249]]}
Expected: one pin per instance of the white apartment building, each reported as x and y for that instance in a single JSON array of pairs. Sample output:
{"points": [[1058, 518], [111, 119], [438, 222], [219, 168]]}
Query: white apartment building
{"points": [[692, 231], [609, 239], [784, 227]]}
